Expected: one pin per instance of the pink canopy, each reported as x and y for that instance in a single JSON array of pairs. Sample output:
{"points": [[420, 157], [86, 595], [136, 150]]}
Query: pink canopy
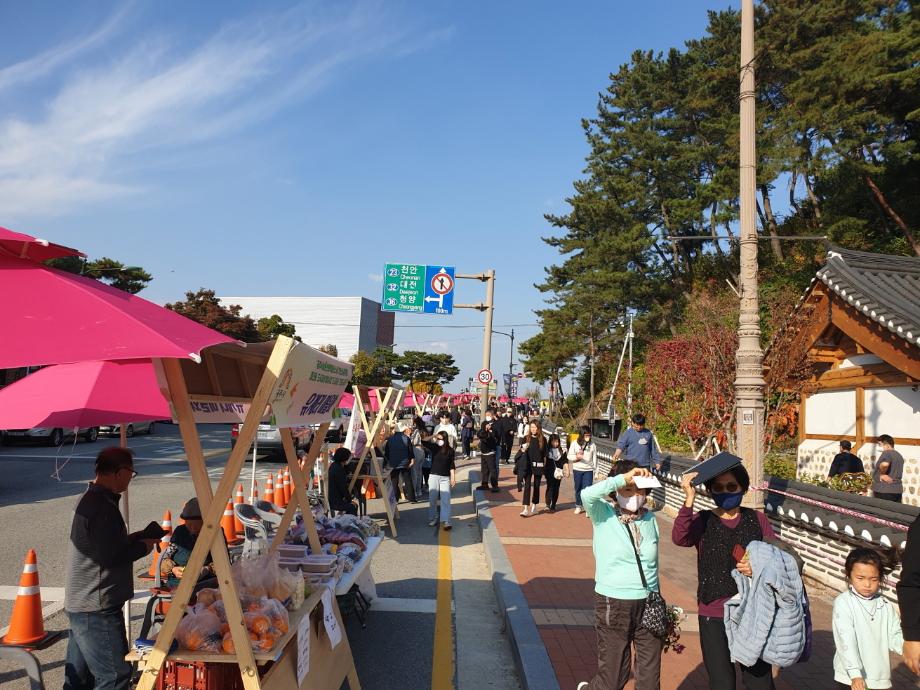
{"points": [[55, 317], [24, 246], [84, 394]]}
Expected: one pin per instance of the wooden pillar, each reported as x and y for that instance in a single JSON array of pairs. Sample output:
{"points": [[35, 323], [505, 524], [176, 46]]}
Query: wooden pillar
{"points": [[860, 418], [802, 399]]}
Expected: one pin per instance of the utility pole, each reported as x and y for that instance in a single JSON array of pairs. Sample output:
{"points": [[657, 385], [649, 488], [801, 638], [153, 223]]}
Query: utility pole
{"points": [[488, 277], [749, 382], [511, 366]]}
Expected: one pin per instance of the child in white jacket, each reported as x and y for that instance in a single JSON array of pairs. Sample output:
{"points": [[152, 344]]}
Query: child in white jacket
{"points": [[866, 625]]}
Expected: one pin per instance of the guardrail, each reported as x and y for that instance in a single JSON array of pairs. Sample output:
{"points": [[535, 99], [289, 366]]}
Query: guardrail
{"points": [[823, 525]]}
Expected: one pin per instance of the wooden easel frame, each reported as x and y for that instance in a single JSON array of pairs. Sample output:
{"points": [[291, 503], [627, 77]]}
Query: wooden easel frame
{"points": [[212, 506], [387, 411]]}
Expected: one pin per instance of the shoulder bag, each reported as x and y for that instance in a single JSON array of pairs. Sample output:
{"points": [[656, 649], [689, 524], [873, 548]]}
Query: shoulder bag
{"points": [[655, 614]]}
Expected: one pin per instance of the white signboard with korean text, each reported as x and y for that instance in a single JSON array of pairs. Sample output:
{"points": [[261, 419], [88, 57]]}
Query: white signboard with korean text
{"points": [[308, 388]]}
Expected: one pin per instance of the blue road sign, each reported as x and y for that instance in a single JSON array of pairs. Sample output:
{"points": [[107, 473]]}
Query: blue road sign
{"points": [[439, 289]]}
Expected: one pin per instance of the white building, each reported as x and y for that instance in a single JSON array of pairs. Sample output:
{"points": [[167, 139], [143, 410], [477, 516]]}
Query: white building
{"points": [[349, 323]]}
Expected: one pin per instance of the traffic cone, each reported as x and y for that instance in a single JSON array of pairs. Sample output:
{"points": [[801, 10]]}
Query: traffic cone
{"points": [[26, 627], [237, 525], [227, 525], [254, 494], [269, 489], [166, 524], [279, 491], [287, 486]]}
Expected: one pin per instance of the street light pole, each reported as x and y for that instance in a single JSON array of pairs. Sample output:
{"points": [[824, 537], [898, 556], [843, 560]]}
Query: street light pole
{"points": [[749, 382], [488, 277]]}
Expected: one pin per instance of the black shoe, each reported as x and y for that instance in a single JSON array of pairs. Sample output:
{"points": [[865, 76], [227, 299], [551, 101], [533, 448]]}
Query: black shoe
{"points": [[482, 487], [495, 489]]}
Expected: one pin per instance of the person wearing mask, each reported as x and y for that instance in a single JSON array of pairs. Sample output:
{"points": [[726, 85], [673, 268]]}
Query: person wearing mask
{"points": [[582, 456], [909, 597], [625, 539], [442, 478], [340, 498], [488, 445], [715, 534], [530, 466], [522, 428], [506, 427], [886, 477], [466, 432], [399, 456], [845, 462], [181, 543], [448, 428], [99, 578], [555, 465], [419, 479], [638, 444]]}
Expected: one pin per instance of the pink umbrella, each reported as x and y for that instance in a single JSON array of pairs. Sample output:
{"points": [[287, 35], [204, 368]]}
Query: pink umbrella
{"points": [[55, 317], [84, 394], [24, 246]]}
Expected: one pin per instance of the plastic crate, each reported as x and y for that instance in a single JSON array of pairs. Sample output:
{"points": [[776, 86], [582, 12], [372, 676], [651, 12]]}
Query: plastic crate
{"points": [[199, 675]]}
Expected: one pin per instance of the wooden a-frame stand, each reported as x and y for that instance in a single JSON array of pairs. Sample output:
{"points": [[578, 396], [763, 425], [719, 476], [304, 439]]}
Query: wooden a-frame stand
{"points": [[373, 423], [329, 666]]}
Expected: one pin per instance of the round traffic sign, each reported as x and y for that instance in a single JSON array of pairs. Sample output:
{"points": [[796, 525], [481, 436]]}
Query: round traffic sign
{"points": [[442, 283], [484, 376]]}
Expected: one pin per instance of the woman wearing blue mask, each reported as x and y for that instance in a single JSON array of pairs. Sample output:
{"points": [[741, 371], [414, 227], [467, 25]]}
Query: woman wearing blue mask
{"points": [[715, 534]]}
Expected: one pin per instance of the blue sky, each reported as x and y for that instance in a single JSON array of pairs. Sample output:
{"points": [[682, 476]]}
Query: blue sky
{"points": [[282, 148]]}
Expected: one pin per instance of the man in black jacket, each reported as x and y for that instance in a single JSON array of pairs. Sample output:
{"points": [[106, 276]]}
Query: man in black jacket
{"points": [[506, 428], [99, 578], [340, 497], [488, 443], [399, 456], [909, 598], [845, 462]]}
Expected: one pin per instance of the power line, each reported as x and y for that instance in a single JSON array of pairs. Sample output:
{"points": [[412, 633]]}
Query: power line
{"points": [[357, 325]]}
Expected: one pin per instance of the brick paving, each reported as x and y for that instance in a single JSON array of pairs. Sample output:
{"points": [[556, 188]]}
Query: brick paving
{"points": [[552, 559]]}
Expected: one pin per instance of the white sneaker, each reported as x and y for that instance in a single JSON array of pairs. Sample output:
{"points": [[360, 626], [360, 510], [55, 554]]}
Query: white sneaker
{"points": [[533, 508], [578, 510], [582, 685], [524, 512], [432, 523], [446, 525]]}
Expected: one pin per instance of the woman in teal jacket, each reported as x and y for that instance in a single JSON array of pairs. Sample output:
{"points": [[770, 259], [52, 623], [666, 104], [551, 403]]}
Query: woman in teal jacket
{"points": [[617, 511]]}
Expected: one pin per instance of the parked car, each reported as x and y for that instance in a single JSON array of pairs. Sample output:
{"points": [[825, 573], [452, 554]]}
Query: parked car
{"points": [[132, 428], [268, 437], [50, 436]]}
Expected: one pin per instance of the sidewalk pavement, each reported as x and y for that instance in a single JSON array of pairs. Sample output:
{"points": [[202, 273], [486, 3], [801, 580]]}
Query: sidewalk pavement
{"points": [[553, 562]]}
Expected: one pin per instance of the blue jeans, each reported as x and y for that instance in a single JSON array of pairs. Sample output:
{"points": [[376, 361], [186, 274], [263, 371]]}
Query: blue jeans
{"points": [[582, 481], [439, 486], [96, 652]]}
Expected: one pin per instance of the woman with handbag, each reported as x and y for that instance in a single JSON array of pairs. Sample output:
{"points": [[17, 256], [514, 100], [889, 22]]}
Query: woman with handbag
{"points": [[530, 467], [628, 610], [556, 469]]}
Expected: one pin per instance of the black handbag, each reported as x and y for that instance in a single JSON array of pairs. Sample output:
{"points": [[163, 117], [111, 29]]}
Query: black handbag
{"points": [[655, 614]]}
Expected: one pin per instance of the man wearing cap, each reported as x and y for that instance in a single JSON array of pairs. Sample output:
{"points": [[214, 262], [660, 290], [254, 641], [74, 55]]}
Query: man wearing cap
{"points": [[399, 456], [845, 462], [99, 578], [638, 445], [176, 555]]}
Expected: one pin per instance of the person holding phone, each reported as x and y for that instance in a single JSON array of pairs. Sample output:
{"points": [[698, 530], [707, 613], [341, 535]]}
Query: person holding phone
{"points": [[720, 537]]}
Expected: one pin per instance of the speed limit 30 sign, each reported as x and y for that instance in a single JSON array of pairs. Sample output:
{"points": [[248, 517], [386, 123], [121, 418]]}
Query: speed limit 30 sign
{"points": [[484, 377]]}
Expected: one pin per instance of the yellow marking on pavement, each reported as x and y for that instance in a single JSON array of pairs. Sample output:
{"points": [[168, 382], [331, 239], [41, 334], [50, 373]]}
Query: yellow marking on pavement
{"points": [[442, 666]]}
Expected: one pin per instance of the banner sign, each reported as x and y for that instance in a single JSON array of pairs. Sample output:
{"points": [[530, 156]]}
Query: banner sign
{"points": [[308, 388]]}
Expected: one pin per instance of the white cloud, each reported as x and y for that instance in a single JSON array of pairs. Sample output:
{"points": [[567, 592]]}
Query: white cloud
{"points": [[107, 119], [438, 344], [375, 277]]}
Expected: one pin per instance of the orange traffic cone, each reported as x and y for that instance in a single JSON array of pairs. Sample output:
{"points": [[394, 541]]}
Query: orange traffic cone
{"points": [[237, 525], [26, 627], [269, 489], [287, 486], [279, 491], [166, 524], [227, 525], [254, 494]]}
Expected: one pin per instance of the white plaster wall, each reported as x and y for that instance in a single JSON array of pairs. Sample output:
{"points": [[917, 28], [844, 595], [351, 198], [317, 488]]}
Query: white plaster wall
{"points": [[814, 456], [831, 412], [860, 361], [894, 411]]}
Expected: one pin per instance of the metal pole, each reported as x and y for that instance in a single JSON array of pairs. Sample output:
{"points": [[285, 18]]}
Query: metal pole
{"points": [[511, 366], [487, 336], [629, 337], [749, 383]]}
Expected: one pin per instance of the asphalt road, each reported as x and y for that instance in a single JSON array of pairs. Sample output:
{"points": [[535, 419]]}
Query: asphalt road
{"points": [[395, 647]]}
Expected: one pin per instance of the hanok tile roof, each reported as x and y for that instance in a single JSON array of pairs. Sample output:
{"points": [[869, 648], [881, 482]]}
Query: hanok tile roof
{"points": [[884, 287]]}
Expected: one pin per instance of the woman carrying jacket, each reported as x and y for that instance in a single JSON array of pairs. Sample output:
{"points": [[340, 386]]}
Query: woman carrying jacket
{"points": [[583, 457], [530, 465], [714, 534], [623, 527]]}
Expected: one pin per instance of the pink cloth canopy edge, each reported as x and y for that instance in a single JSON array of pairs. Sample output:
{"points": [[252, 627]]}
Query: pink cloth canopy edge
{"points": [[55, 317], [83, 394], [25, 246]]}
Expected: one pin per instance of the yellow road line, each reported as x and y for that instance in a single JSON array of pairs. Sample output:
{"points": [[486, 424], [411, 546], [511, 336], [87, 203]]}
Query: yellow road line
{"points": [[442, 666]]}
